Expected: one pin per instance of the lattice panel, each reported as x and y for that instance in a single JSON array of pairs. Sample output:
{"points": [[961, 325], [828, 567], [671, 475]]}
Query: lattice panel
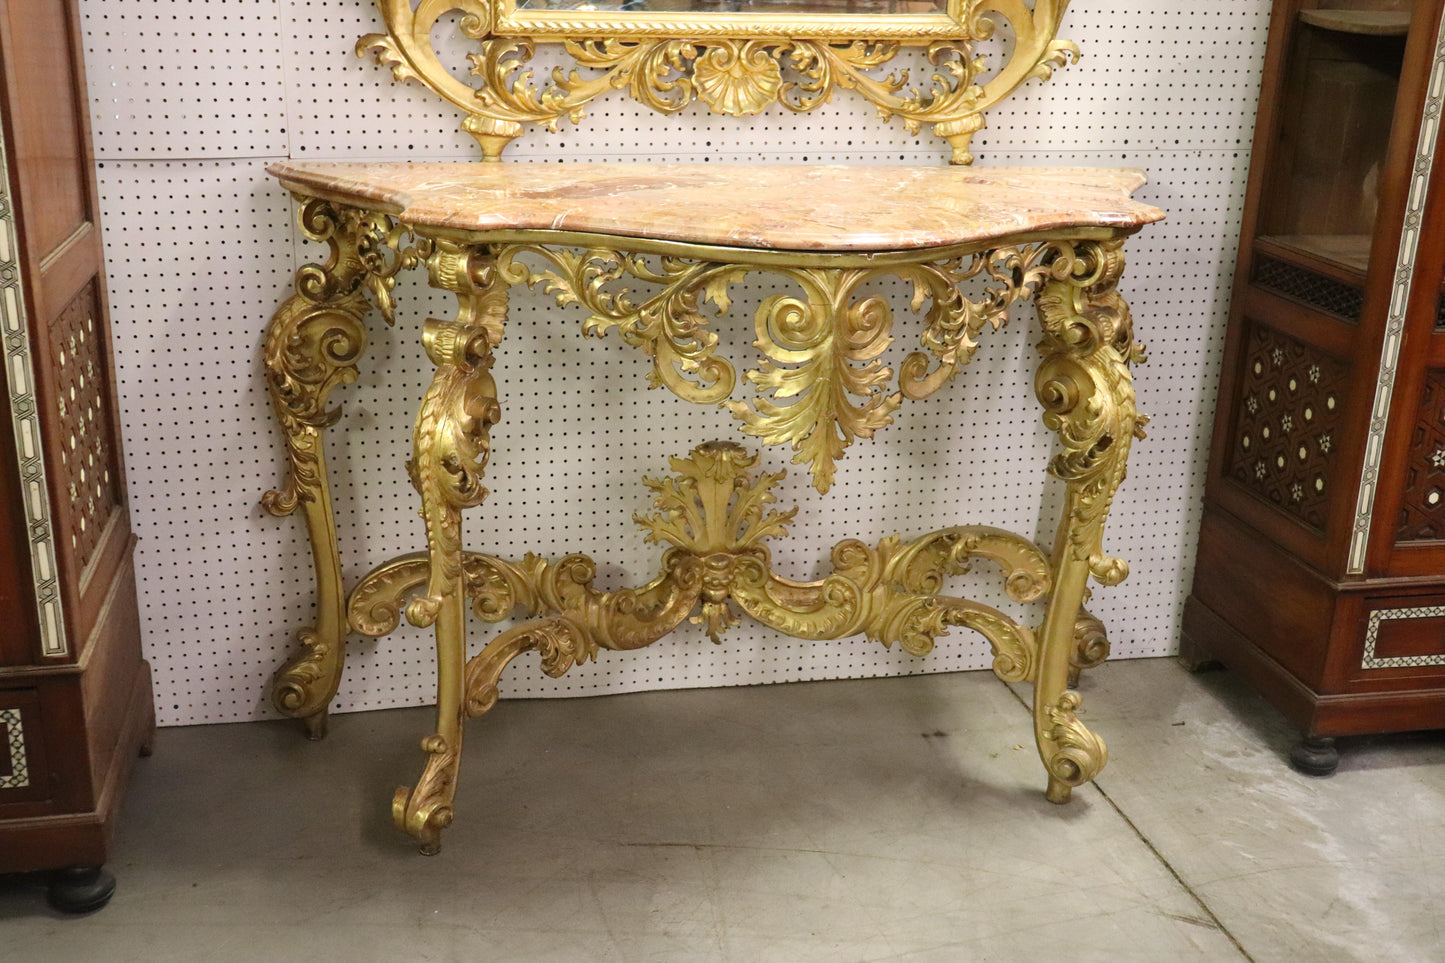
{"points": [[1287, 427], [200, 249], [1422, 512], [1316, 290], [88, 467], [14, 764]]}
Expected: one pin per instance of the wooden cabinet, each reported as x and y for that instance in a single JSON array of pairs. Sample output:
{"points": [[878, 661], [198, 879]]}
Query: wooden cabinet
{"points": [[1320, 576], [75, 694]]}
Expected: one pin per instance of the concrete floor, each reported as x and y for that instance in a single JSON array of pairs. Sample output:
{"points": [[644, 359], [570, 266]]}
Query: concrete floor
{"points": [[840, 821]]}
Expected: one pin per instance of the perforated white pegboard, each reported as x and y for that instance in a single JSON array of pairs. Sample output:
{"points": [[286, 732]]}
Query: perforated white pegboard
{"points": [[201, 247]]}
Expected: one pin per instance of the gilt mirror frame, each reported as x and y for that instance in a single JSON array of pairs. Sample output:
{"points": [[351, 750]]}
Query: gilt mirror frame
{"points": [[736, 63]]}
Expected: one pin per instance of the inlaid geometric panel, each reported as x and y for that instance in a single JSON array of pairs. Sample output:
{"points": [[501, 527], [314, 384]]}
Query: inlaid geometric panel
{"points": [[1287, 427], [1372, 660], [87, 448], [1422, 510]]}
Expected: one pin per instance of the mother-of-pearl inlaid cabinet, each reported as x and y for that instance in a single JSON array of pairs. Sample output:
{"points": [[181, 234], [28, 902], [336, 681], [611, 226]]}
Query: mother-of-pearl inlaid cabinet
{"points": [[1321, 565], [75, 695]]}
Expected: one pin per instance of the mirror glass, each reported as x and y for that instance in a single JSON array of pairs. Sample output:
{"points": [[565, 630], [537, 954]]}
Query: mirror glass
{"points": [[741, 6]]}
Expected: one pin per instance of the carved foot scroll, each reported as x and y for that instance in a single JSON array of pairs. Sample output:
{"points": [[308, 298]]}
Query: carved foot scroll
{"points": [[1087, 392], [312, 345]]}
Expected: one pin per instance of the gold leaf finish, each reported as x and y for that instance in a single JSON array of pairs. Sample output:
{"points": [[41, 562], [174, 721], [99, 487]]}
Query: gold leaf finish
{"points": [[716, 515], [820, 352], [496, 589], [734, 64], [737, 79], [1078, 754], [1088, 394], [452, 446], [954, 322], [1091, 646]]}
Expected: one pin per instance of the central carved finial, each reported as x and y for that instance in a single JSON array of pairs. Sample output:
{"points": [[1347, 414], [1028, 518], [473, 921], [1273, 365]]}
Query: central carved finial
{"points": [[713, 508], [713, 505]]}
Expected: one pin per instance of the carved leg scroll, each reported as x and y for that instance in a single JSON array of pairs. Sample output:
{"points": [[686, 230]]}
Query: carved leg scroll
{"points": [[450, 449], [1088, 397], [580, 621], [312, 346]]}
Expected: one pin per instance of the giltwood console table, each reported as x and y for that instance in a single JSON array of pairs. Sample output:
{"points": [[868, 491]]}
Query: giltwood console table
{"points": [[584, 233]]}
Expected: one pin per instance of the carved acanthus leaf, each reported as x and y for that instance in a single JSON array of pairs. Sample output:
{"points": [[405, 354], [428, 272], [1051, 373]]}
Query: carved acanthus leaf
{"points": [[312, 346], [669, 327], [954, 321], [731, 76], [452, 439], [387, 54], [380, 246], [821, 381], [820, 351]]}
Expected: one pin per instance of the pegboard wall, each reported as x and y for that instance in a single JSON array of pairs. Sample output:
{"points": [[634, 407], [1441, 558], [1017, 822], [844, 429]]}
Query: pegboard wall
{"points": [[192, 98]]}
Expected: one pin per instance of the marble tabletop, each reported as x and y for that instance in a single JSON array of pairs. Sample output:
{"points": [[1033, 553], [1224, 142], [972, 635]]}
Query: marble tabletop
{"points": [[784, 207]]}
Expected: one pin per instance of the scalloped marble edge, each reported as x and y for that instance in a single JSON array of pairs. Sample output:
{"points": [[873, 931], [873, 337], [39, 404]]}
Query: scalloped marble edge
{"points": [[782, 207]]}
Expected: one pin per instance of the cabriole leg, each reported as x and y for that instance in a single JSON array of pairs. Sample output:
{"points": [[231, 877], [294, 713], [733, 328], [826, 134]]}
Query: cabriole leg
{"points": [[450, 449], [312, 346], [1087, 392]]}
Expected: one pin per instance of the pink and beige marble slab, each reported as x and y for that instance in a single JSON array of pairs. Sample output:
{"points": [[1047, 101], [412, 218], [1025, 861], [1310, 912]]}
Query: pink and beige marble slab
{"points": [[783, 207]]}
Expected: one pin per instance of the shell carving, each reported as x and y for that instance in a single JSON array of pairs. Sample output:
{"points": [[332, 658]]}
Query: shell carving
{"points": [[737, 79]]}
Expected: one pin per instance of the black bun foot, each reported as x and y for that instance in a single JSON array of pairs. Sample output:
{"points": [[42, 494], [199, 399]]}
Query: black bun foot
{"points": [[80, 889], [1315, 756]]}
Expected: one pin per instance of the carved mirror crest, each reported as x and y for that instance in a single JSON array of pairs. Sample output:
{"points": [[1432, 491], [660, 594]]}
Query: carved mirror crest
{"points": [[736, 56]]}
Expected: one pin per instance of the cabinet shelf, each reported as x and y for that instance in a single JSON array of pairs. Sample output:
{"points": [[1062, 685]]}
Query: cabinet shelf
{"points": [[1373, 23], [1349, 252]]}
